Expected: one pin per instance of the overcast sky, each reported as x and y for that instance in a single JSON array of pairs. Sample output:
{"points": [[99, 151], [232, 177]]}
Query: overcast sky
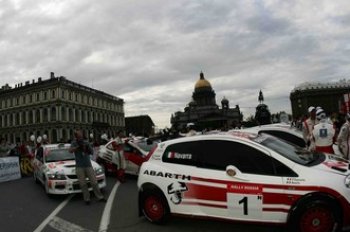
{"points": [[150, 52]]}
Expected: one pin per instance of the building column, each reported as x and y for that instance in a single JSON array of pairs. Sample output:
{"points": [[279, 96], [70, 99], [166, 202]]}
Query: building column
{"points": [[74, 114], [59, 114], [41, 115], [20, 118], [48, 114]]}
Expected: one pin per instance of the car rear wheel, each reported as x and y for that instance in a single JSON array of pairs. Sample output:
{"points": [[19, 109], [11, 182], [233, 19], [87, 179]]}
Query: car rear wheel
{"points": [[316, 216], [154, 207]]}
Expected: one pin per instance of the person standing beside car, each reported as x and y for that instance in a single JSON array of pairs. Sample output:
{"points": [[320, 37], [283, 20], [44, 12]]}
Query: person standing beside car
{"points": [[118, 147], [323, 133], [308, 126], [83, 167], [343, 138]]}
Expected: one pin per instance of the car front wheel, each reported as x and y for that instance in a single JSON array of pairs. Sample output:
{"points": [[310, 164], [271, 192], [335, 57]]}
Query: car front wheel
{"points": [[154, 207]]}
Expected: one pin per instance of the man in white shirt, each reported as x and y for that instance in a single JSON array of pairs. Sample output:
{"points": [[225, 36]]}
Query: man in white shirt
{"points": [[323, 133]]}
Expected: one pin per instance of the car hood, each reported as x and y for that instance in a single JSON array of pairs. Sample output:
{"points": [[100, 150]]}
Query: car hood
{"points": [[67, 166], [335, 164]]}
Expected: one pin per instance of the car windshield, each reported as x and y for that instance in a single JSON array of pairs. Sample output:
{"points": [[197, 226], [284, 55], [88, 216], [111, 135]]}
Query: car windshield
{"points": [[54, 155], [290, 151]]}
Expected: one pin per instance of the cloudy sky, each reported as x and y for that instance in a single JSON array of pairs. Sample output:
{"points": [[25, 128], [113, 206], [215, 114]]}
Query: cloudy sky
{"points": [[150, 52]]}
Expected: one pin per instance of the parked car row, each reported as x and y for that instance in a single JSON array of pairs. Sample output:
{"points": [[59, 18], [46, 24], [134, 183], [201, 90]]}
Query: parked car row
{"points": [[257, 175]]}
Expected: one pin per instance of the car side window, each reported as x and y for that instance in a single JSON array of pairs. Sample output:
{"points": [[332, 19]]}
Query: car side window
{"points": [[286, 136], [217, 154], [181, 153]]}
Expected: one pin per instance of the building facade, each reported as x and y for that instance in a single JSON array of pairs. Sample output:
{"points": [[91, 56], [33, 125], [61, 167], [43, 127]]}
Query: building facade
{"points": [[56, 107], [141, 125], [203, 111], [329, 96]]}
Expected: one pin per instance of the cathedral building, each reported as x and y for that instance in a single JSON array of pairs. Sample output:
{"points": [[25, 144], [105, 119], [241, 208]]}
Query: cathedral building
{"points": [[203, 111], [56, 107]]}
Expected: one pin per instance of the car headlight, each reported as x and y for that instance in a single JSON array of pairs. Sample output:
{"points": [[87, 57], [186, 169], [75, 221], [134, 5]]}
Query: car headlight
{"points": [[347, 181], [56, 176], [99, 171]]}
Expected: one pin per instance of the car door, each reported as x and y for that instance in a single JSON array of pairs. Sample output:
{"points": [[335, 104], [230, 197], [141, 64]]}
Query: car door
{"points": [[245, 193], [134, 158]]}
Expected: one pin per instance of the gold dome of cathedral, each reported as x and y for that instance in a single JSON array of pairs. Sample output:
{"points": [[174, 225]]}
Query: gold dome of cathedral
{"points": [[202, 82]]}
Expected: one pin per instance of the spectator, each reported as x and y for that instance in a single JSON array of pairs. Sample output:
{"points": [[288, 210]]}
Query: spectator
{"points": [[4, 148], [344, 138], [308, 126], [82, 151], [323, 133]]}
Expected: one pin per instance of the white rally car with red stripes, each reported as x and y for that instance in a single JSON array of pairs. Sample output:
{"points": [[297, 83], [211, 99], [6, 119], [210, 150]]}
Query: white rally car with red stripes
{"points": [[246, 177], [54, 168]]}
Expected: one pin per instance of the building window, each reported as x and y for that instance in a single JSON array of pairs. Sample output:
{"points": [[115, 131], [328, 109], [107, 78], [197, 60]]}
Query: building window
{"points": [[70, 96], [30, 98], [23, 99], [24, 120], [76, 97], [62, 94], [38, 97], [53, 94], [45, 115], [53, 114], [63, 113], [45, 95], [37, 112]]}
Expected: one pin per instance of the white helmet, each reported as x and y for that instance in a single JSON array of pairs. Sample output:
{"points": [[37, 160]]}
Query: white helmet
{"points": [[39, 139], [320, 114], [32, 138], [91, 135], [44, 136], [104, 136]]}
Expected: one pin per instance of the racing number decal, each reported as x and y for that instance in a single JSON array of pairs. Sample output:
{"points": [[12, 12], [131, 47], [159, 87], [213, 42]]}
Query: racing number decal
{"points": [[245, 205], [244, 200]]}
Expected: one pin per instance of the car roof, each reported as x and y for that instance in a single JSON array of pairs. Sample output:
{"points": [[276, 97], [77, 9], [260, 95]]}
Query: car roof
{"points": [[275, 127], [228, 135]]}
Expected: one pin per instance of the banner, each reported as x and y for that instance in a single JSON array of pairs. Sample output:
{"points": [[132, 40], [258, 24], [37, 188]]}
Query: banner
{"points": [[9, 169]]}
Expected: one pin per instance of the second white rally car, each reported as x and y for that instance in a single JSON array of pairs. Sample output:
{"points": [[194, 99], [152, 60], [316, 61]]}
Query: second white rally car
{"points": [[54, 167], [246, 177]]}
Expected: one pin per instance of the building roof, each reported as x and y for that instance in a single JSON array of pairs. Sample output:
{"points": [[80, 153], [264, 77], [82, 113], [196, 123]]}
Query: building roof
{"points": [[319, 85]]}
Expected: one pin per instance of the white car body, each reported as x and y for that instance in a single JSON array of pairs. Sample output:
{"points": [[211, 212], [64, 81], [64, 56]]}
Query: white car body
{"points": [[59, 177], [177, 179]]}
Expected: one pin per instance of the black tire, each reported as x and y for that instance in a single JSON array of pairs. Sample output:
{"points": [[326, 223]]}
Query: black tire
{"points": [[154, 207], [315, 216]]}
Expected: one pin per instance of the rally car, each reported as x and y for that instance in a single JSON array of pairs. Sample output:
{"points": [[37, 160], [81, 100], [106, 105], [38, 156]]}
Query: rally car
{"points": [[134, 157], [245, 177], [54, 168]]}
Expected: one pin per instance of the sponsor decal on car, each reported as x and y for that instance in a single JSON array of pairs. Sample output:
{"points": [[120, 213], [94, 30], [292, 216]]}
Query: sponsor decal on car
{"points": [[176, 190], [292, 180], [176, 155], [166, 175]]}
